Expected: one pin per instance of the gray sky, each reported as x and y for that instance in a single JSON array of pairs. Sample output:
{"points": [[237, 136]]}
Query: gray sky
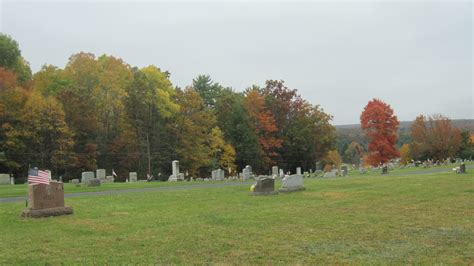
{"points": [[415, 56]]}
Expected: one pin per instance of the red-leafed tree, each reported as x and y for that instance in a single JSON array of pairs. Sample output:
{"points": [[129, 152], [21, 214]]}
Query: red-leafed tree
{"points": [[380, 126]]}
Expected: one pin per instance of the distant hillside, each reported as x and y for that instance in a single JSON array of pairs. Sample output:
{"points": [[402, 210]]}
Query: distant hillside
{"points": [[463, 124], [349, 133]]}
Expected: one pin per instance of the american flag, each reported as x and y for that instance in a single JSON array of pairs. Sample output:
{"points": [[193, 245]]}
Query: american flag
{"points": [[36, 176]]}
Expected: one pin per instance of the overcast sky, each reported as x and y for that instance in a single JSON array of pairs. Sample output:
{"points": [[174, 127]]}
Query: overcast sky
{"points": [[415, 56]]}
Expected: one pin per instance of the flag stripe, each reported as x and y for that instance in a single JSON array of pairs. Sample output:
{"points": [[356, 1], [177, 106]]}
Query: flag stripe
{"points": [[38, 177]]}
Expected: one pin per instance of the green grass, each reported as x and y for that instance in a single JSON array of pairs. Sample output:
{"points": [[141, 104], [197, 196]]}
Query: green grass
{"points": [[372, 219]]}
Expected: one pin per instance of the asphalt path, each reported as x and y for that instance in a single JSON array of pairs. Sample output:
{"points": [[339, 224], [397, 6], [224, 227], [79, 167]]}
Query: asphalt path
{"points": [[184, 187]]}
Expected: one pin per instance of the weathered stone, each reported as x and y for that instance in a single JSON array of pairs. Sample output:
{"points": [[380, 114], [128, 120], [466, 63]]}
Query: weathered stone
{"points": [[100, 173], [247, 172], [462, 168], [46, 200], [86, 176], [344, 170], [298, 170], [333, 173], [175, 176], [132, 177], [281, 173], [264, 186], [108, 179], [93, 183], [275, 171], [74, 181], [4, 179], [292, 183]]}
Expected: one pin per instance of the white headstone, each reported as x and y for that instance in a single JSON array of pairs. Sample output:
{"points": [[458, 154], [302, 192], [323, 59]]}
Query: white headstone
{"points": [[4, 179], [176, 176], [132, 177], [100, 173], [275, 171], [292, 183], [87, 176], [298, 170]]}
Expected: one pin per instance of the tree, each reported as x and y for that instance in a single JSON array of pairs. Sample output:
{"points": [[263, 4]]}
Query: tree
{"points": [[434, 138], [46, 138], [405, 157], [264, 126], [466, 150], [207, 89], [354, 153], [380, 126], [333, 158], [234, 121], [222, 153], [10, 58]]}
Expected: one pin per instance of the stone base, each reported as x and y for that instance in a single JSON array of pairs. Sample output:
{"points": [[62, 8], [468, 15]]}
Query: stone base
{"points": [[46, 212], [287, 190], [268, 193]]}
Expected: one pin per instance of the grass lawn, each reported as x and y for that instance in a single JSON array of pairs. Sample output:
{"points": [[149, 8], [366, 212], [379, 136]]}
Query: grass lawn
{"points": [[399, 218]]}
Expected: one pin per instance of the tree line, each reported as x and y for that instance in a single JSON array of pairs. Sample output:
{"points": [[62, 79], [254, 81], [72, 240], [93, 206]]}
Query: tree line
{"points": [[100, 112]]}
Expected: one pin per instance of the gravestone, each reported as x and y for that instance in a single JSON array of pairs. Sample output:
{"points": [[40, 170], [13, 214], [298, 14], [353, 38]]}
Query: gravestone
{"points": [[132, 177], [298, 170], [344, 170], [462, 168], [281, 173], [93, 183], [74, 181], [332, 173], [108, 179], [176, 175], [264, 186], [100, 173], [4, 179], [87, 176], [247, 172], [12, 181], [46, 200], [384, 170], [292, 183], [218, 174], [275, 171]]}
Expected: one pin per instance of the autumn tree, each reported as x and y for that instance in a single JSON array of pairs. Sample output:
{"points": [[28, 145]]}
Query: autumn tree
{"points": [[405, 157], [333, 159], [264, 126], [11, 59], [466, 149], [45, 137], [354, 153], [235, 123], [380, 126], [434, 138]]}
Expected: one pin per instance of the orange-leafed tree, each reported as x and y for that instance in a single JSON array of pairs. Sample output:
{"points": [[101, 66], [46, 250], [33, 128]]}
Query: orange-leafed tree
{"points": [[380, 126], [264, 125], [434, 138]]}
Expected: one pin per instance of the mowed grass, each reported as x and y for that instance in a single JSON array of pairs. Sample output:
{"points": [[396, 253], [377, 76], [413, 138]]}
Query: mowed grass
{"points": [[374, 219]]}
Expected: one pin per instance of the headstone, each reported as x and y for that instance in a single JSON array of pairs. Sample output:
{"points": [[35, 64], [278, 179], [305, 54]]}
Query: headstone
{"points": [[86, 177], [384, 170], [74, 181], [298, 170], [281, 173], [292, 183], [332, 173], [275, 171], [100, 173], [221, 174], [247, 172], [264, 186], [344, 170], [108, 179], [93, 183], [4, 179], [462, 168], [12, 181], [176, 176], [46, 200], [132, 177]]}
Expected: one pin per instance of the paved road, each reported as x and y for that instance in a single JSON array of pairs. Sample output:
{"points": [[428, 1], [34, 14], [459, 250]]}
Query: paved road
{"points": [[134, 190], [229, 184]]}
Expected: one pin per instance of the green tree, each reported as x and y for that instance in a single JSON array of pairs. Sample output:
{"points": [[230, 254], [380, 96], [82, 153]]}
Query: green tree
{"points": [[354, 153], [466, 150], [208, 89]]}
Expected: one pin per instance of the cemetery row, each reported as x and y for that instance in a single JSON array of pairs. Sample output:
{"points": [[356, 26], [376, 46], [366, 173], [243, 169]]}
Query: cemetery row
{"points": [[90, 178]]}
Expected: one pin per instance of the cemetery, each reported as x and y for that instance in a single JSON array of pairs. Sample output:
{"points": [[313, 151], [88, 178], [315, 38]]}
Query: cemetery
{"points": [[242, 133]]}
